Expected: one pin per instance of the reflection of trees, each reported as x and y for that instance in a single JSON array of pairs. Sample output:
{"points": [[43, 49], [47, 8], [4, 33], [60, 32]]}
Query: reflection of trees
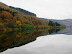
{"points": [[53, 31], [15, 39]]}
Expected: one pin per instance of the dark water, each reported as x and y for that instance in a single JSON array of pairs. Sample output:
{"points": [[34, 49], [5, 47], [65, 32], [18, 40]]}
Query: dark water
{"points": [[42, 41]]}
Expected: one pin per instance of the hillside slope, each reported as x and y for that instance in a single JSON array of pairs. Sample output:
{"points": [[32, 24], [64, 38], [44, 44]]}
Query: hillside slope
{"points": [[25, 12], [66, 22], [12, 19]]}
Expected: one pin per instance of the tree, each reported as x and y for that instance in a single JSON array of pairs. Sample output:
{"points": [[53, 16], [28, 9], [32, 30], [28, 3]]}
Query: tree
{"points": [[50, 23], [6, 15]]}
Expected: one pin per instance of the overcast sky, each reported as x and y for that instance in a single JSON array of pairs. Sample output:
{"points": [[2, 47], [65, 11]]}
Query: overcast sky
{"points": [[51, 9]]}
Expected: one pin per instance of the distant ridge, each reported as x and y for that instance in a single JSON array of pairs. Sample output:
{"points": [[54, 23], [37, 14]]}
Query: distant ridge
{"points": [[25, 12], [67, 22]]}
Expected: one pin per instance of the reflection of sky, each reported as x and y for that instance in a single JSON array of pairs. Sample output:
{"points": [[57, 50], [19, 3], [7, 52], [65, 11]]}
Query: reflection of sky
{"points": [[50, 44]]}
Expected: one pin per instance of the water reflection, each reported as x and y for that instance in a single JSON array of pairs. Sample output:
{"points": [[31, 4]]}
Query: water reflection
{"points": [[18, 38], [67, 31]]}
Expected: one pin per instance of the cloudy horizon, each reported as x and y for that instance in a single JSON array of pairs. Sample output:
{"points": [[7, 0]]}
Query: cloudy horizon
{"points": [[51, 9]]}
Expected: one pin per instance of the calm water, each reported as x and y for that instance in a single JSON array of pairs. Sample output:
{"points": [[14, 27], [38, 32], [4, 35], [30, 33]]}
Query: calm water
{"points": [[51, 41]]}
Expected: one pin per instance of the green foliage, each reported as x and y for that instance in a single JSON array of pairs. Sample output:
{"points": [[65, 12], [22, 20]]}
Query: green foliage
{"points": [[15, 25], [50, 23], [26, 27], [1, 26], [27, 31], [57, 24]]}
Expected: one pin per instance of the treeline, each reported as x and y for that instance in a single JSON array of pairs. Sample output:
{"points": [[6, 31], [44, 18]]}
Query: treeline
{"points": [[53, 23], [12, 18], [25, 12]]}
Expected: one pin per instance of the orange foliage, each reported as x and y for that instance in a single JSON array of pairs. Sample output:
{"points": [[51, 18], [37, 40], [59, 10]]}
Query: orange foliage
{"points": [[19, 23], [6, 15]]}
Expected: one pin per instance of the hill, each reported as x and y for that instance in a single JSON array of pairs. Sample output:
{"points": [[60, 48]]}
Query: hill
{"points": [[12, 18], [66, 22], [25, 12]]}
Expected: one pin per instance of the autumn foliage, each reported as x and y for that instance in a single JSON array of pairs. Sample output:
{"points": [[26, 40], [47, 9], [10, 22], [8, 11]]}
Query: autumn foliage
{"points": [[12, 18]]}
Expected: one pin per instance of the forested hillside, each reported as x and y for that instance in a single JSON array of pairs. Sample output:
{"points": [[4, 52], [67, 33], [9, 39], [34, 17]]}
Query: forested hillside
{"points": [[25, 12], [12, 19]]}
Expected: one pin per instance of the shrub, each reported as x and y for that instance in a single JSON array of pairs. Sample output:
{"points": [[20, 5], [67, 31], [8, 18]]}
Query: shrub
{"points": [[27, 26]]}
